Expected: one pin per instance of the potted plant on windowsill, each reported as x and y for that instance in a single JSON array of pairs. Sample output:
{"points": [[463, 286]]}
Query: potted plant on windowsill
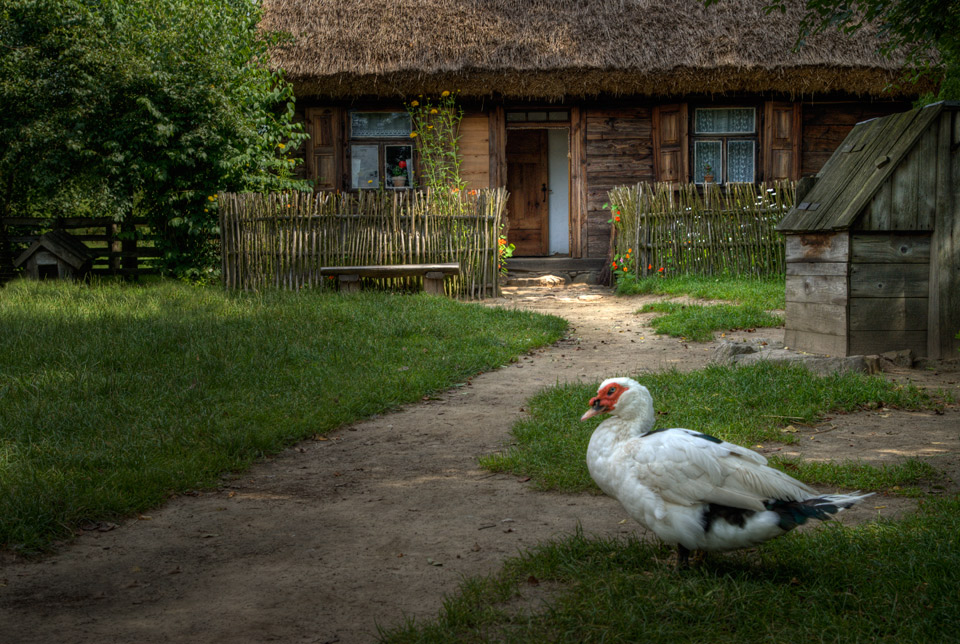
{"points": [[399, 173], [707, 173]]}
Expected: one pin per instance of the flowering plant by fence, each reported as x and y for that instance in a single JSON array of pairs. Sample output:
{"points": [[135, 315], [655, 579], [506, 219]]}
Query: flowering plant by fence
{"points": [[281, 240], [662, 231]]}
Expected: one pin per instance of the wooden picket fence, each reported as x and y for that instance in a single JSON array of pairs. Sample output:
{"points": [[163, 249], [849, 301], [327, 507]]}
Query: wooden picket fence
{"points": [[667, 231], [281, 240]]}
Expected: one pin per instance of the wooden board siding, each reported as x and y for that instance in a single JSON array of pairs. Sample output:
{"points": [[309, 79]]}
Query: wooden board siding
{"points": [[475, 150], [944, 309], [781, 141], [618, 151], [817, 292], [889, 284], [826, 124]]}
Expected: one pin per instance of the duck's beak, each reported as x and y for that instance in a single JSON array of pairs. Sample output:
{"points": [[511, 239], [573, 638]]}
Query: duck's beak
{"points": [[596, 407]]}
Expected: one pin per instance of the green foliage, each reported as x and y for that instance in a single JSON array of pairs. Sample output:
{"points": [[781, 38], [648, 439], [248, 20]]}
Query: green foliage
{"points": [[139, 392], [743, 405], [763, 292], [436, 126], [886, 581], [697, 322], [141, 109], [914, 28]]}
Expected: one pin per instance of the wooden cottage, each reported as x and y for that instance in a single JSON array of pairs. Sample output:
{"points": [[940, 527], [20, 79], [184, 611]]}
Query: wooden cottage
{"points": [[566, 99], [56, 255], [873, 247]]}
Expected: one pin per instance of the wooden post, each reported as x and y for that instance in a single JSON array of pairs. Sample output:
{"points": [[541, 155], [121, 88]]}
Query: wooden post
{"points": [[349, 283], [115, 247], [433, 283]]}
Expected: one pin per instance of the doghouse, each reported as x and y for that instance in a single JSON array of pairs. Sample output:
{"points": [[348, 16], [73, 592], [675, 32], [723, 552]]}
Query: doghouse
{"points": [[56, 255], [873, 242]]}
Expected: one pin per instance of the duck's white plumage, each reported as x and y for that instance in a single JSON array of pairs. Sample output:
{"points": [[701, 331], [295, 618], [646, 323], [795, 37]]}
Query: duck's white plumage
{"points": [[693, 490]]}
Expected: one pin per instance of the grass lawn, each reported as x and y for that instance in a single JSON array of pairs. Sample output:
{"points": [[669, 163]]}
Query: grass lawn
{"points": [[888, 581], [752, 299], [745, 405], [114, 397], [761, 292]]}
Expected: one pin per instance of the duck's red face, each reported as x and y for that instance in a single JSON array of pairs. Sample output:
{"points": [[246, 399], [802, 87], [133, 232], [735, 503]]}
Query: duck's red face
{"points": [[605, 401]]}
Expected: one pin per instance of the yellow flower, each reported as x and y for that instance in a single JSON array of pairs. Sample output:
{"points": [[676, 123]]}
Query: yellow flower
{"points": [[369, 180], [212, 198], [413, 135], [429, 127], [445, 94], [433, 111], [281, 145], [414, 103]]}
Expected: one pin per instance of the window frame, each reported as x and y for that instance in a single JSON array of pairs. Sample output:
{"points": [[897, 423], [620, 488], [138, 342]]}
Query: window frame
{"points": [[383, 177], [724, 139]]}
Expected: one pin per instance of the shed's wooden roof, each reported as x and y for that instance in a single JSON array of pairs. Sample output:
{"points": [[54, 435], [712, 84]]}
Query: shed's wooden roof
{"points": [[549, 49], [857, 169]]}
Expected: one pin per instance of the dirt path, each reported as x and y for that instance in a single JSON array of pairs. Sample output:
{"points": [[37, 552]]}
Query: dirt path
{"points": [[333, 537]]}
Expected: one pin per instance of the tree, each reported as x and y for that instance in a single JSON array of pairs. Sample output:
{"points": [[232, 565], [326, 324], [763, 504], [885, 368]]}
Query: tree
{"points": [[141, 109]]}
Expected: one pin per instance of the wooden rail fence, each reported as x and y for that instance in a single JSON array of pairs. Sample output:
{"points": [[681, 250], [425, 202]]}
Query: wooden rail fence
{"points": [[117, 248], [703, 232], [281, 240]]}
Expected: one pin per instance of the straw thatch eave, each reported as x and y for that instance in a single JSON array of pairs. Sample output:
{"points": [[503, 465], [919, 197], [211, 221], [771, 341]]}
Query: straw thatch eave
{"points": [[549, 49]]}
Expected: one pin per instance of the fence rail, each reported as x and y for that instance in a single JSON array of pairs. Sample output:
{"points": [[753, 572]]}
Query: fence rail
{"points": [[706, 232], [281, 240]]}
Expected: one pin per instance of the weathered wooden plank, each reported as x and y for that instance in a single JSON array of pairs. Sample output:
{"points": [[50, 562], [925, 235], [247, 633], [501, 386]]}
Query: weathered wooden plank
{"points": [[873, 342], [817, 268], [877, 215], [905, 180], [830, 319], [818, 247], [889, 280], [945, 255], [811, 342], [821, 289], [890, 248], [927, 179], [888, 313]]}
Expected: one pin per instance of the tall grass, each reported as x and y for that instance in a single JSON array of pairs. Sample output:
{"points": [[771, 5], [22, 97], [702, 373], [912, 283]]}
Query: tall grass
{"points": [[698, 323], [113, 397], [745, 405]]}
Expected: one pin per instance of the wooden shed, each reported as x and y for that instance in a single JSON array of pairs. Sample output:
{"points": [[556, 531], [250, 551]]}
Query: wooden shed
{"points": [[873, 247], [56, 255]]}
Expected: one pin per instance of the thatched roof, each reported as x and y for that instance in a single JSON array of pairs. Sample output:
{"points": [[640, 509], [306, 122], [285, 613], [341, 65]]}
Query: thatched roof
{"points": [[553, 48]]}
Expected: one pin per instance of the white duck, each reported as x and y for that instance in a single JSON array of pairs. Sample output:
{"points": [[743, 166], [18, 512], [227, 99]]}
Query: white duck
{"points": [[693, 490]]}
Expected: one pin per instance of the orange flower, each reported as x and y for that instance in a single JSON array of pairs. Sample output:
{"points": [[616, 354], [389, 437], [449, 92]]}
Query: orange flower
{"points": [[617, 218], [624, 269], [614, 266], [649, 267], [661, 269], [503, 242], [629, 250]]}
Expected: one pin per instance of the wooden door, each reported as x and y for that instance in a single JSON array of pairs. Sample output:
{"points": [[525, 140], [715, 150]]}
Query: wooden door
{"points": [[527, 207]]}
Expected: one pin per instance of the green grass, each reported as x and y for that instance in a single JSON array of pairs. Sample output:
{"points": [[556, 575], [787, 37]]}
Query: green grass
{"points": [[761, 292], [878, 582], [114, 397], [899, 478], [745, 405], [697, 322]]}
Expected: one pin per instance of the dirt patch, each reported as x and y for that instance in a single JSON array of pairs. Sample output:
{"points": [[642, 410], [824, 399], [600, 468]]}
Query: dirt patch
{"points": [[379, 521]]}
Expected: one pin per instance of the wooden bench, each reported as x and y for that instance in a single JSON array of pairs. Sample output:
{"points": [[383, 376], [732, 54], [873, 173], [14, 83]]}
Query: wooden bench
{"points": [[433, 274]]}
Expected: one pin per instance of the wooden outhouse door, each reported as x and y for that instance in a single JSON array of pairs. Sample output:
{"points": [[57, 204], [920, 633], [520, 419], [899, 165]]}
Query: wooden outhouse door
{"points": [[527, 181]]}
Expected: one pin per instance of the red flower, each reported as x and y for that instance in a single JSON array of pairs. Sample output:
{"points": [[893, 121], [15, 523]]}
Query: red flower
{"points": [[649, 266], [661, 269], [616, 218], [403, 165]]}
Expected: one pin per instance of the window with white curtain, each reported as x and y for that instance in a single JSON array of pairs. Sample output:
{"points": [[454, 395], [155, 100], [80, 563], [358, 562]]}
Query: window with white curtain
{"points": [[724, 144]]}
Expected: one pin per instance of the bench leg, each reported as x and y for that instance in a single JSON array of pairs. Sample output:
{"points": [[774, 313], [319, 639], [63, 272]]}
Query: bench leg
{"points": [[349, 283], [433, 283]]}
